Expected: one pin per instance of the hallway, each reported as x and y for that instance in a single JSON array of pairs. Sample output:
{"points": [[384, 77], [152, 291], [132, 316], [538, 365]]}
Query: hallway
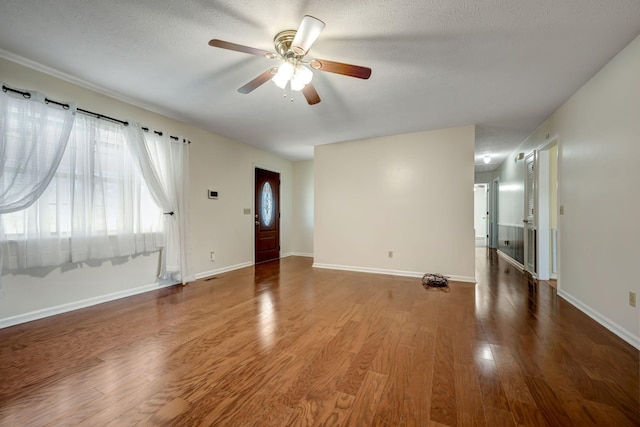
{"points": [[555, 363]]}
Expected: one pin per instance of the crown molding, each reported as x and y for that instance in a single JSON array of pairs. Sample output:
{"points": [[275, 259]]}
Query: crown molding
{"points": [[10, 56]]}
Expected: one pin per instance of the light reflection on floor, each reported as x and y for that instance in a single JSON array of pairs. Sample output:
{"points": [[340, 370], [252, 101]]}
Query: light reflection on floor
{"points": [[267, 320]]}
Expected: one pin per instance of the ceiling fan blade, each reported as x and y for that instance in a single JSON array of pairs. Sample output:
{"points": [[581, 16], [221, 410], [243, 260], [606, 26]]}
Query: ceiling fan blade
{"points": [[258, 81], [307, 33], [340, 68], [239, 48], [310, 94]]}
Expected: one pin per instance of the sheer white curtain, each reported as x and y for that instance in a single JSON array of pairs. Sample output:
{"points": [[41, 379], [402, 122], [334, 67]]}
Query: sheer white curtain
{"points": [[97, 205], [164, 162], [33, 138], [113, 214]]}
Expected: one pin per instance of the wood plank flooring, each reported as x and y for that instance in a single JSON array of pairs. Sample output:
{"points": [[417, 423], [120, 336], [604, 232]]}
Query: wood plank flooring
{"points": [[283, 344]]}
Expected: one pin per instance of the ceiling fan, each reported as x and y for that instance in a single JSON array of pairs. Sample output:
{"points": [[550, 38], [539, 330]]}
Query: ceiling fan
{"points": [[291, 46]]}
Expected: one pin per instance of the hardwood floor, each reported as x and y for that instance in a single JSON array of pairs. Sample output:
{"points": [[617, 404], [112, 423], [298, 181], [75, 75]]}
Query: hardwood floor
{"points": [[283, 344], [551, 282]]}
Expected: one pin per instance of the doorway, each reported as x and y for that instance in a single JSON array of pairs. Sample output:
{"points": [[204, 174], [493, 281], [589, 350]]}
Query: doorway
{"points": [[494, 213], [481, 214], [531, 216], [548, 211], [267, 215]]}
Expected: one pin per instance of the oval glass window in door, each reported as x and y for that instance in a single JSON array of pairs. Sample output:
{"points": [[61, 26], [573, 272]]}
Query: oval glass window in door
{"points": [[266, 200]]}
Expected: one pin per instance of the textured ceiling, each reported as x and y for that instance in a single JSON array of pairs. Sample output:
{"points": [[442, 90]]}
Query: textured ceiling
{"points": [[502, 65]]}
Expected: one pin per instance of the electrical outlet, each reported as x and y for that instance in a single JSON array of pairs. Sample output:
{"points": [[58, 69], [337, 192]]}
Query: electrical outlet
{"points": [[561, 209], [390, 254], [213, 256], [632, 299]]}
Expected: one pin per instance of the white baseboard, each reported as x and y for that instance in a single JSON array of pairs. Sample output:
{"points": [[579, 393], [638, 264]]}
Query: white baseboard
{"points": [[510, 260], [65, 308], [306, 255], [389, 272], [222, 270], [603, 320]]}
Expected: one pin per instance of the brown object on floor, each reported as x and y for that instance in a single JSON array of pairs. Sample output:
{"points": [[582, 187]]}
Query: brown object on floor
{"points": [[283, 344]]}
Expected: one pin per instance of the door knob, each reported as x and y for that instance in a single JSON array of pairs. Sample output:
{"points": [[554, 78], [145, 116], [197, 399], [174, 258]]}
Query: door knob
{"points": [[257, 222]]}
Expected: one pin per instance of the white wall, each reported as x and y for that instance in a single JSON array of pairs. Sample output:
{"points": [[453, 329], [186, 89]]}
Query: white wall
{"points": [[598, 131], [216, 163], [219, 225], [411, 194], [302, 224], [599, 143]]}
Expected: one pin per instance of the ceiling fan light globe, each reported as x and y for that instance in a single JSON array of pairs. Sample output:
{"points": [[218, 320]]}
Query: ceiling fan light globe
{"points": [[286, 70], [297, 85], [279, 81], [303, 74]]}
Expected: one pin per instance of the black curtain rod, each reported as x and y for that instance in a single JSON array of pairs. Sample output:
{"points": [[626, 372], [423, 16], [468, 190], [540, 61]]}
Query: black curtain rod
{"points": [[157, 132], [27, 95]]}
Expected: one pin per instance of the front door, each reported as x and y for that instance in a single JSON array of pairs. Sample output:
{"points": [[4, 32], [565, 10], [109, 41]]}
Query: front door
{"points": [[267, 215]]}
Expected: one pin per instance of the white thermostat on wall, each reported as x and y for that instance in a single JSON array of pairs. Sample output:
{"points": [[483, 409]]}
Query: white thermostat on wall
{"points": [[213, 194]]}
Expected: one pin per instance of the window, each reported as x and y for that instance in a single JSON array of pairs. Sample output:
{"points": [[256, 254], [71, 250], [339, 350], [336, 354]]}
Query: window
{"points": [[96, 206]]}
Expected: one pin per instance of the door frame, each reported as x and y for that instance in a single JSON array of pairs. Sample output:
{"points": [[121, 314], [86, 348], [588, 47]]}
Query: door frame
{"points": [[543, 216], [486, 214], [529, 222], [494, 210], [255, 166]]}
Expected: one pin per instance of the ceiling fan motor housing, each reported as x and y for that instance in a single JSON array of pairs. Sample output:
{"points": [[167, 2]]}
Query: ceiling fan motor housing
{"points": [[282, 43]]}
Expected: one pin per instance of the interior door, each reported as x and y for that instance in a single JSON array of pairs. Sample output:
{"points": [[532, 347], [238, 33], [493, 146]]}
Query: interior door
{"points": [[530, 236], [480, 214], [267, 215]]}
